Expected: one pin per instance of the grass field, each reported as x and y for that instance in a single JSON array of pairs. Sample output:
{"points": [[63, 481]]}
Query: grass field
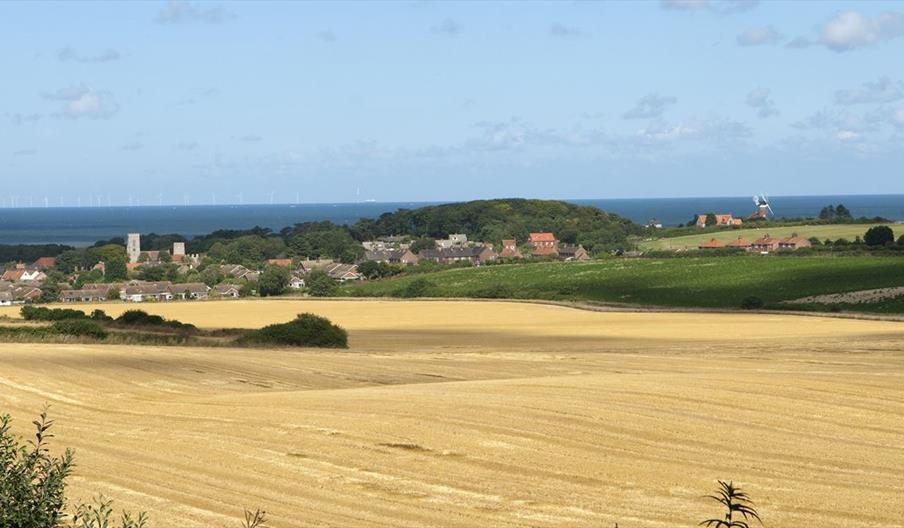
{"points": [[822, 232], [712, 282], [464, 414]]}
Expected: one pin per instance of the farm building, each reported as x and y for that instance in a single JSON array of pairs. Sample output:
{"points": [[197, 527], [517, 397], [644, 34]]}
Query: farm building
{"points": [[542, 244]]}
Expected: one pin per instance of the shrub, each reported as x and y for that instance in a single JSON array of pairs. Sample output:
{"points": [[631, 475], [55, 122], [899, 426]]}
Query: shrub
{"points": [[752, 303], [306, 330], [79, 327], [100, 315], [419, 287], [737, 504], [40, 313], [496, 291], [32, 482], [142, 318], [879, 236]]}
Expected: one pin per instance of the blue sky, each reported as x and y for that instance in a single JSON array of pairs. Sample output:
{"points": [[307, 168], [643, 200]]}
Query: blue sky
{"points": [[191, 102]]}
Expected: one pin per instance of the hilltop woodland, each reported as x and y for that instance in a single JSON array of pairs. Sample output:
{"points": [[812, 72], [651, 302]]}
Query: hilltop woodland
{"points": [[484, 220]]}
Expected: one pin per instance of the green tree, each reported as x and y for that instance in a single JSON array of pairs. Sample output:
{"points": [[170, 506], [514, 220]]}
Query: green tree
{"points": [[901, 240], [50, 292], [711, 220], [212, 275], [879, 236], [842, 212], [827, 213], [273, 281], [115, 269], [320, 284], [421, 244]]}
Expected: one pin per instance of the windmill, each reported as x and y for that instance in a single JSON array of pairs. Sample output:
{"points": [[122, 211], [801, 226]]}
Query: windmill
{"points": [[763, 209]]}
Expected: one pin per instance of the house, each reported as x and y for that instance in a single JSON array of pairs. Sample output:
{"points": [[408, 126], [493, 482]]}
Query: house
{"points": [[285, 262], [385, 243], [392, 256], [510, 249], [24, 293], [23, 274], [102, 267], [191, 290], [306, 266], [239, 272], [6, 298], [573, 252], [542, 244], [793, 242], [343, 272], [712, 243], [476, 255], [140, 291], [45, 262], [84, 295], [454, 240], [721, 220], [740, 243], [296, 282], [764, 244], [226, 290]]}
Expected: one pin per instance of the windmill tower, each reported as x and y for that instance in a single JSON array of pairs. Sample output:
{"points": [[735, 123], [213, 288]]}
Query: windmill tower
{"points": [[763, 209], [133, 247]]}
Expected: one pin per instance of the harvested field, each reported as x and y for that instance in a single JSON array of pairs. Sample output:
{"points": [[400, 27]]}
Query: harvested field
{"points": [[470, 414]]}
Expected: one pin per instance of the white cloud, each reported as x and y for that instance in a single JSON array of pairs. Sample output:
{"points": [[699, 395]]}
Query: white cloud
{"points": [[82, 101], [326, 36], [847, 135], [563, 31], [897, 117], [850, 30], [180, 11], [714, 130], [834, 121], [759, 36], [759, 100], [881, 91], [722, 7], [69, 54], [650, 106], [187, 145], [447, 27]]}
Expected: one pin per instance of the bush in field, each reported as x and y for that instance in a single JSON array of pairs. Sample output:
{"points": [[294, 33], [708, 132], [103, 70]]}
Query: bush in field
{"points": [[80, 328], [306, 330], [496, 291], [100, 315], [142, 318], [737, 506], [41, 313], [419, 287], [879, 236], [752, 303]]}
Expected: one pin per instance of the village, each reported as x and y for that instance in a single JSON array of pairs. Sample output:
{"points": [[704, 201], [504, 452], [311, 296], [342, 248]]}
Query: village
{"points": [[25, 283]]}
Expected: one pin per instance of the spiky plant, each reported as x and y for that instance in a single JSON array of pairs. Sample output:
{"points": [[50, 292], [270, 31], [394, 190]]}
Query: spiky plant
{"points": [[737, 505], [255, 519]]}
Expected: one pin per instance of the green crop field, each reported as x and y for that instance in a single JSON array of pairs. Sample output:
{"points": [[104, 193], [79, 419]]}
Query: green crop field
{"points": [[715, 282], [822, 232]]}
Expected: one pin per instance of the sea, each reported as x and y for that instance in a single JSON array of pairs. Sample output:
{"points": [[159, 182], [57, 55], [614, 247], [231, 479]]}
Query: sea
{"points": [[82, 226]]}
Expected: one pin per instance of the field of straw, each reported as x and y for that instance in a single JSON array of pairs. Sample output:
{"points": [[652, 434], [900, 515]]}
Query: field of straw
{"points": [[472, 414]]}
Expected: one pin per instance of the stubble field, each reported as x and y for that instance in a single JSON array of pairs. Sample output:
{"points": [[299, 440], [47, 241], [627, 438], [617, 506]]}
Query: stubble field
{"points": [[468, 414]]}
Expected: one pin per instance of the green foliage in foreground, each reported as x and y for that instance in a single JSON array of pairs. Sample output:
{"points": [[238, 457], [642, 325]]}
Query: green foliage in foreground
{"points": [[306, 330], [33, 487], [80, 328], [705, 282]]}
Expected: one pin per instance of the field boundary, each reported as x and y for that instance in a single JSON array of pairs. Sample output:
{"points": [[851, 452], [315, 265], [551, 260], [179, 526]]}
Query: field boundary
{"points": [[611, 307]]}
